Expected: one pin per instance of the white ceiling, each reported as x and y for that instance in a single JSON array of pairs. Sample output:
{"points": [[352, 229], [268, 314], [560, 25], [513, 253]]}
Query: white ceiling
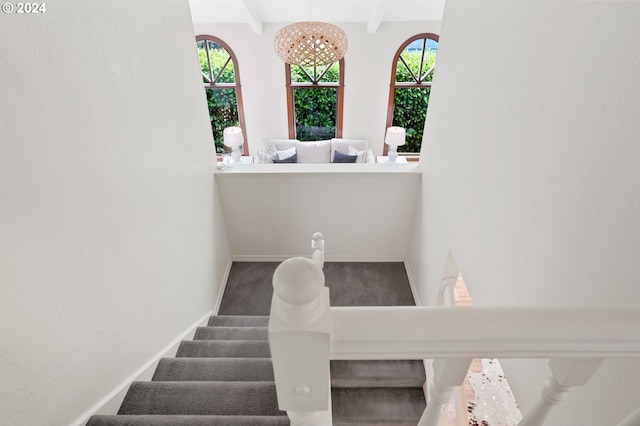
{"points": [[255, 12]]}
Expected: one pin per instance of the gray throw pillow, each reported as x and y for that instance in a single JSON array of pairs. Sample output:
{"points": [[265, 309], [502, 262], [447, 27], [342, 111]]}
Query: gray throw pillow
{"points": [[292, 159], [339, 157]]}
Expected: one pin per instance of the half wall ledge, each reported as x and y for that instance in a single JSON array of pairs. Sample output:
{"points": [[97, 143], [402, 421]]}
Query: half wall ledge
{"points": [[321, 168], [365, 210]]}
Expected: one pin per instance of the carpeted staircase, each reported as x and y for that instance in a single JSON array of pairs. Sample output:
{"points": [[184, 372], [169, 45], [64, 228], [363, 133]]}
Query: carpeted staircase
{"points": [[224, 376]]}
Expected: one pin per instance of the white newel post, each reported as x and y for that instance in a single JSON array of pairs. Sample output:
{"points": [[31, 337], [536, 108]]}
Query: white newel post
{"points": [[299, 335], [317, 249], [447, 374], [565, 374]]}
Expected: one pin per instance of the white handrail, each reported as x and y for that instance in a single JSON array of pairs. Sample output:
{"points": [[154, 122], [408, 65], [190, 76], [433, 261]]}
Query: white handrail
{"points": [[403, 332], [305, 333]]}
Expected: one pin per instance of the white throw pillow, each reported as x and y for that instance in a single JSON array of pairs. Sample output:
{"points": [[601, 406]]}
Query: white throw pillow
{"points": [[314, 152], [283, 155], [361, 154]]}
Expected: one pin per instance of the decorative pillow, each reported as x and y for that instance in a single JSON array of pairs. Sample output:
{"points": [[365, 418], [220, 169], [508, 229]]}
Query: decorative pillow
{"points": [[314, 152], [264, 157], [268, 156], [339, 157], [360, 154], [291, 159], [283, 155]]}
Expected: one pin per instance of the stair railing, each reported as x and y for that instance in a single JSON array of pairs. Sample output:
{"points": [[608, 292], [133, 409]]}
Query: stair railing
{"points": [[305, 333], [299, 336]]}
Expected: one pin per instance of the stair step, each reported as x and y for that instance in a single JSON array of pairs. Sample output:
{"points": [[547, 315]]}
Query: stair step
{"points": [[377, 406], [174, 420], [231, 333], [224, 349], [356, 374], [239, 321], [201, 398], [214, 369]]}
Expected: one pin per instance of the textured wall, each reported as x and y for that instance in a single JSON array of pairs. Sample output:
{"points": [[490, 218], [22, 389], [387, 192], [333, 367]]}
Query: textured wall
{"points": [[111, 241], [531, 171]]}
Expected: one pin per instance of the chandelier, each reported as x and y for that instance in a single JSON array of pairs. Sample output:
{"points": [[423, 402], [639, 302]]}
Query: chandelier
{"points": [[310, 43]]}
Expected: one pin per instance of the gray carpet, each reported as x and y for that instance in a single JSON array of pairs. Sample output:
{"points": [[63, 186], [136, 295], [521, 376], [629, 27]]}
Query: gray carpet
{"points": [[225, 376], [249, 288]]}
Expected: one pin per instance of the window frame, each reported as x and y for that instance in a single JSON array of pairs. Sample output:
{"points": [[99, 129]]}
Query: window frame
{"points": [[393, 85], [237, 85], [339, 86]]}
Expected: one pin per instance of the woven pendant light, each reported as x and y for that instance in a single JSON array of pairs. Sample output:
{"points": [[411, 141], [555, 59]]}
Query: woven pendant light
{"points": [[310, 43]]}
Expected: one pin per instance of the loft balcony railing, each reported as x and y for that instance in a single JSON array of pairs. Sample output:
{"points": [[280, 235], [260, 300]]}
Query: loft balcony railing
{"points": [[305, 333]]}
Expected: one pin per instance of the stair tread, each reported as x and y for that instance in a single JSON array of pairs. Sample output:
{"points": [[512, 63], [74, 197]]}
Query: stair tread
{"points": [[377, 405], [378, 373], [239, 320], [231, 333], [201, 398], [214, 369], [225, 348], [186, 420]]}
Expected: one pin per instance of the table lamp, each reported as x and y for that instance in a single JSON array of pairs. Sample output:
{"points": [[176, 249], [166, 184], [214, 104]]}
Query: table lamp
{"points": [[233, 139], [394, 138]]}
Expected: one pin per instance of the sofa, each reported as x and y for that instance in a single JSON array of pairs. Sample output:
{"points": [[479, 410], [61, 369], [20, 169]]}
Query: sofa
{"points": [[334, 150]]}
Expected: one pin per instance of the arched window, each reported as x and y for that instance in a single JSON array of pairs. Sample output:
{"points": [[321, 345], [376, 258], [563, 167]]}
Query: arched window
{"points": [[411, 76], [315, 101], [221, 79]]}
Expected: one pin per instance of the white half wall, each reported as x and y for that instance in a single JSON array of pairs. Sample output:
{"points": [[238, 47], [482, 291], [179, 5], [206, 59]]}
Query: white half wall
{"points": [[365, 211], [112, 242], [530, 172], [367, 76]]}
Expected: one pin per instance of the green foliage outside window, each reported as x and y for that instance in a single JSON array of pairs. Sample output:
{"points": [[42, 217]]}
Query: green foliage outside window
{"points": [[221, 100], [223, 112], [410, 103], [315, 107]]}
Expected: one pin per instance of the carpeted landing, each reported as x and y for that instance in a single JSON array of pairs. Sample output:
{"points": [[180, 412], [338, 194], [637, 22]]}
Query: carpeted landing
{"points": [[224, 375]]}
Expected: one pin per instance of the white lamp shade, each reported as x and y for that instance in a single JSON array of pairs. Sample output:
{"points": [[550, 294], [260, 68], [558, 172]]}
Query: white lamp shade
{"points": [[395, 136], [232, 136]]}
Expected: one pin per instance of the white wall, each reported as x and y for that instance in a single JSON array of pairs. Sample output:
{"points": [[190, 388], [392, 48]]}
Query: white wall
{"points": [[530, 171], [364, 211], [111, 235], [367, 67]]}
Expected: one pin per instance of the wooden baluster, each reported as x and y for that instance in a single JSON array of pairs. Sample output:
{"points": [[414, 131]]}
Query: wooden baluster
{"points": [[299, 335], [565, 374], [447, 374]]}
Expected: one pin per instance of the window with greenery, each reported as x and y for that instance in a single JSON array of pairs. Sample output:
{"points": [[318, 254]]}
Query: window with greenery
{"points": [[315, 101], [411, 77], [221, 80]]}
